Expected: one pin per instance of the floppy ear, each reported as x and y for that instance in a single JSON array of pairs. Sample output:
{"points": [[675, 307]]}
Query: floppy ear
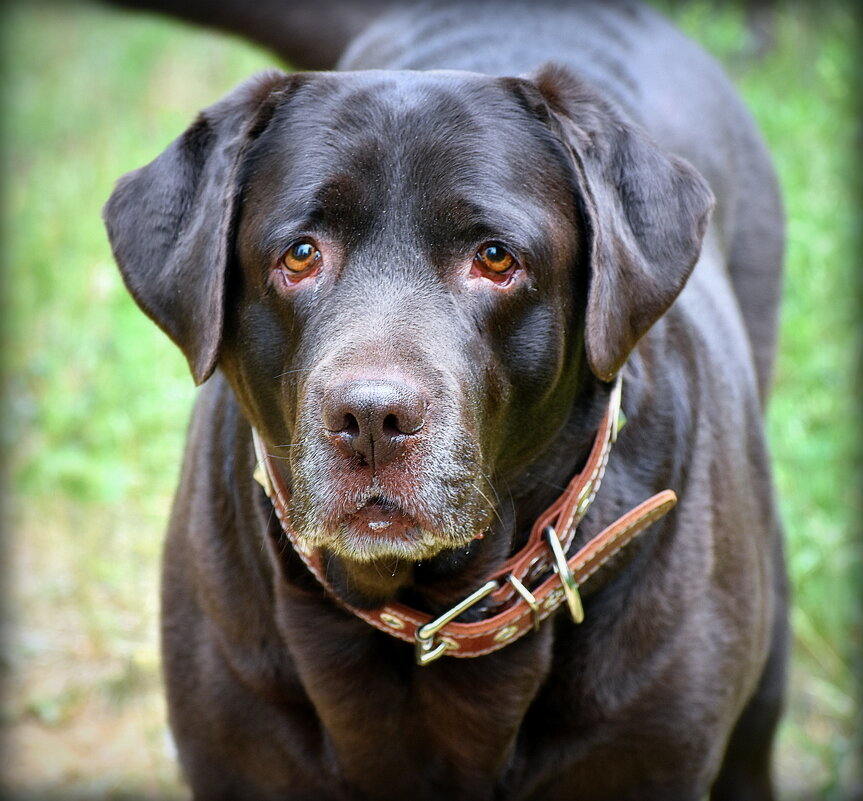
{"points": [[646, 212], [171, 223]]}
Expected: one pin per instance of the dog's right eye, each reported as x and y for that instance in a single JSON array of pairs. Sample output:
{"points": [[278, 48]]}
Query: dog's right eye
{"points": [[301, 257], [495, 262], [496, 258]]}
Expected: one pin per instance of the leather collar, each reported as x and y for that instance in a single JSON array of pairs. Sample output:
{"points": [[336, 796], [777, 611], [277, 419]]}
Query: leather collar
{"points": [[542, 563]]}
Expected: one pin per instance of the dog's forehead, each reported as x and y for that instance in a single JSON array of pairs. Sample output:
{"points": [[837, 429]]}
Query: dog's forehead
{"points": [[413, 144], [437, 118], [403, 92], [406, 90]]}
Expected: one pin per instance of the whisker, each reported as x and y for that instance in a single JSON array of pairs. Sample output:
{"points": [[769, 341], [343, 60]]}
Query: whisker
{"points": [[269, 521], [298, 370], [493, 507], [553, 485], [491, 486], [510, 499]]}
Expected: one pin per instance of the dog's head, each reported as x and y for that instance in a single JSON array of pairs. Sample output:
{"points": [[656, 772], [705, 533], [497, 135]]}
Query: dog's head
{"points": [[409, 280]]}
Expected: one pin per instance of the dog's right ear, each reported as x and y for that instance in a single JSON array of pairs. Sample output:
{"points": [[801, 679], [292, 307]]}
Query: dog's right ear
{"points": [[171, 222]]}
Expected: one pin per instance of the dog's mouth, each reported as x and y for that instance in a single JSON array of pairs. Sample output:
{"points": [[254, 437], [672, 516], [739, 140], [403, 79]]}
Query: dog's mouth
{"points": [[384, 525], [381, 519]]}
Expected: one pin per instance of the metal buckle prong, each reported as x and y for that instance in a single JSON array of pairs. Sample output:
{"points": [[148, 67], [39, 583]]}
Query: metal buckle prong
{"points": [[567, 580], [618, 418], [260, 474], [427, 650], [528, 597]]}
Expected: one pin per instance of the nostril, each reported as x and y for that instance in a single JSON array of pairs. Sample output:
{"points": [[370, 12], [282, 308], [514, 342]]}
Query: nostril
{"points": [[350, 425], [338, 421], [408, 418], [391, 427]]}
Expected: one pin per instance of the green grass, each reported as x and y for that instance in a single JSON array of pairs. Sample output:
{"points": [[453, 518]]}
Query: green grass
{"points": [[805, 97], [97, 398]]}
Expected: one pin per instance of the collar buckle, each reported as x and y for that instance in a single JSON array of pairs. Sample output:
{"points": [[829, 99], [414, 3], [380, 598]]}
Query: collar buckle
{"points": [[427, 650]]}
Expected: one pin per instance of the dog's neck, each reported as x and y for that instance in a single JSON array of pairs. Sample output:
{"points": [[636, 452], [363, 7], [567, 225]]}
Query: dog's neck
{"points": [[436, 584], [502, 607]]}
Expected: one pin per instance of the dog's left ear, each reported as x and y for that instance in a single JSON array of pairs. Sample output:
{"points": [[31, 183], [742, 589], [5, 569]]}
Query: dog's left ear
{"points": [[646, 211]]}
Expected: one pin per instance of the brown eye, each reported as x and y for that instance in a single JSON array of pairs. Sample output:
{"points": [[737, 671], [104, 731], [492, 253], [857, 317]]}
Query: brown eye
{"points": [[301, 256], [495, 258]]}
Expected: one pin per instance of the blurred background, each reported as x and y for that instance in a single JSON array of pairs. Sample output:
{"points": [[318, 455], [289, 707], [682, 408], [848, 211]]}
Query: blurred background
{"points": [[96, 399]]}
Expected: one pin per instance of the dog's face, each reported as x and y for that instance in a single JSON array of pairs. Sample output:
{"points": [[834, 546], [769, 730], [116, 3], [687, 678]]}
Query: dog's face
{"points": [[408, 279], [408, 276]]}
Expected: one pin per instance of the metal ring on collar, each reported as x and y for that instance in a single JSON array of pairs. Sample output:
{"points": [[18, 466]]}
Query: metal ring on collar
{"points": [[567, 580]]}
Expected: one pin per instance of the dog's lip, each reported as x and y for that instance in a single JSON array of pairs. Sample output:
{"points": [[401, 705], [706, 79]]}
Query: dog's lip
{"points": [[379, 516]]}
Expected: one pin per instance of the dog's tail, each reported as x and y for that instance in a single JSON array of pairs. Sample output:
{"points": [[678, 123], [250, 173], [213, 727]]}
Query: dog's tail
{"points": [[307, 34]]}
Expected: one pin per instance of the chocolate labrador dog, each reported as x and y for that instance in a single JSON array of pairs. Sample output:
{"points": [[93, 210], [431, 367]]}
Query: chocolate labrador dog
{"points": [[474, 310]]}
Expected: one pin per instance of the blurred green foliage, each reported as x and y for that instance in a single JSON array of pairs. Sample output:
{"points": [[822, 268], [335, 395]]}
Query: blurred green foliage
{"points": [[806, 93], [82, 361], [96, 398]]}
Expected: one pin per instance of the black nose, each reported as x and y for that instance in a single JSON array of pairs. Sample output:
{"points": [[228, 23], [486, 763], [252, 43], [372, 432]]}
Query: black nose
{"points": [[373, 417]]}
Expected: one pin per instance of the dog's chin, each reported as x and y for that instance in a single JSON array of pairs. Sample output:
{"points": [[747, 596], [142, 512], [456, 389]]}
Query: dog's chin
{"points": [[372, 551], [393, 540], [378, 531], [368, 567]]}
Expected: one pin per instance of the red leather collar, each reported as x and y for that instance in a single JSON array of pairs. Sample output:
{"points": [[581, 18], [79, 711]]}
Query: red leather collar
{"points": [[513, 609]]}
